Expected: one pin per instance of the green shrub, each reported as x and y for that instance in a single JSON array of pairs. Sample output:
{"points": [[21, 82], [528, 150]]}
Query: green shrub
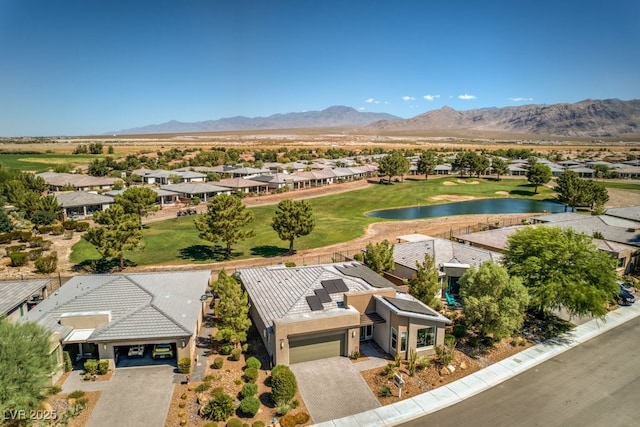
{"points": [[220, 407], [226, 349], [249, 406], [258, 424], [5, 238], [13, 249], [289, 264], [34, 254], [460, 331], [302, 418], [19, 259], [23, 236], [91, 366], [203, 387], [47, 264], [82, 226], [250, 375], [389, 370], [444, 354], [385, 391], [283, 409], [54, 389], [218, 362], [253, 362], [103, 367], [236, 353], [76, 394], [66, 358], [283, 385], [245, 348], [184, 365], [249, 389], [57, 230], [211, 424], [234, 422], [69, 224], [43, 217]]}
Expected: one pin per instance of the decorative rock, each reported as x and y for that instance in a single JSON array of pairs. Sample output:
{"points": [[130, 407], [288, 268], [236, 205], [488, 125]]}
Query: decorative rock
{"points": [[463, 365], [444, 371], [451, 368]]}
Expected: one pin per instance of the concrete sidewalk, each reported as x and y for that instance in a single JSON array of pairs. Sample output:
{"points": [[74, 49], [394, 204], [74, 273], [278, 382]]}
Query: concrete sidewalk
{"points": [[486, 378]]}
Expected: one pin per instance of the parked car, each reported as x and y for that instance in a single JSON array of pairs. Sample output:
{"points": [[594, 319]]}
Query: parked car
{"points": [[626, 297], [162, 351], [136, 351], [627, 287]]}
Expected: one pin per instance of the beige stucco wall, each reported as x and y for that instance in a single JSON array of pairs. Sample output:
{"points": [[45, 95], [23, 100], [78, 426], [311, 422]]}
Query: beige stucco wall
{"points": [[364, 301], [331, 321]]}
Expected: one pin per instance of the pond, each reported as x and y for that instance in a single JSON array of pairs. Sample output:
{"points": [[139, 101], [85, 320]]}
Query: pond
{"points": [[483, 206]]}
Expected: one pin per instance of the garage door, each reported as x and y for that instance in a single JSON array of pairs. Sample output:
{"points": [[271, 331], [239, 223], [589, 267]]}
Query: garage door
{"points": [[306, 349]]}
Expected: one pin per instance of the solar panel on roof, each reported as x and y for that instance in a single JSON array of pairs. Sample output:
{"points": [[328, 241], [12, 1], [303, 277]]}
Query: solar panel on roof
{"points": [[340, 285], [314, 303], [329, 286], [323, 295]]}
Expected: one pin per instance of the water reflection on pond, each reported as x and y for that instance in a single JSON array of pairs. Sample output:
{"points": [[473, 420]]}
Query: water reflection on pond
{"points": [[483, 206]]}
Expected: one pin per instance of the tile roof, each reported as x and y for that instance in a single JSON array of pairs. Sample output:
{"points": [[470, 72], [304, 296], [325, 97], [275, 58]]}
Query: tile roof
{"points": [[76, 179], [16, 292], [442, 251], [142, 305], [81, 198], [279, 292], [195, 188], [631, 213]]}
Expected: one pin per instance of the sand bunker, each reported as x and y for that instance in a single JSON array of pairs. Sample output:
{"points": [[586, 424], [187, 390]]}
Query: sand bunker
{"points": [[452, 198], [449, 183], [461, 181], [502, 193]]}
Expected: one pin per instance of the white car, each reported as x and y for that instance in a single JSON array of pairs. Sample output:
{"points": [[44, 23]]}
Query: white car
{"points": [[136, 351]]}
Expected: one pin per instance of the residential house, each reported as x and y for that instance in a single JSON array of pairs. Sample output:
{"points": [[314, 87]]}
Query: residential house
{"points": [[317, 177], [244, 185], [80, 204], [314, 312], [164, 197], [279, 181], [163, 177], [100, 316], [203, 190], [79, 182], [17, 297], [247, 172], [452, 259]]}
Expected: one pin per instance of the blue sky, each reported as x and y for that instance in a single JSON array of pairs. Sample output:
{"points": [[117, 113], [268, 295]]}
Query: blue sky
{"points": [[89, 67]]}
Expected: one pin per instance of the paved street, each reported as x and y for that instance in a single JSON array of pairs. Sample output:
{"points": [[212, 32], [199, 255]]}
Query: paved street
{"points": [[594, 384]]}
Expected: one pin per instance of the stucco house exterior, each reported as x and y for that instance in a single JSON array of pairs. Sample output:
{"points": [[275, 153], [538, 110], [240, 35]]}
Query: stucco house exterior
{"points": [[100, 316], [81, 203], [17, 297], [314, 312]]}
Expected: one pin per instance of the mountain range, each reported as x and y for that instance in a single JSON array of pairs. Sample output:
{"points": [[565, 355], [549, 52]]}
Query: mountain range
{"points": [[609, 118], [336, 116]]}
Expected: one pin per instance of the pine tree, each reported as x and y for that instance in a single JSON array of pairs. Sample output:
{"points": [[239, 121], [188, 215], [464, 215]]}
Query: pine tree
{"points": [[25, 365], [379, 257], [293, 219], [232, 310], [424, 284], [225, 220], [139, 201]]}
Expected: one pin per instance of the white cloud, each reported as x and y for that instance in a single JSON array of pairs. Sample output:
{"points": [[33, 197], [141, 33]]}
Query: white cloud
{"points": [[466, 97], [372, 101], [408, 98], [431, 97], [361, 108], [520, 99]]}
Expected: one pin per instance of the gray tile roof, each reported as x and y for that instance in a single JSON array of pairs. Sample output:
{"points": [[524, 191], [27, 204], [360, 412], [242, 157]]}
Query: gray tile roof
{"points": [[142, 305], [278, 292], [442, 251], [612, 228], [631, 213], [81, 198], [16, 292], [195, 188]]}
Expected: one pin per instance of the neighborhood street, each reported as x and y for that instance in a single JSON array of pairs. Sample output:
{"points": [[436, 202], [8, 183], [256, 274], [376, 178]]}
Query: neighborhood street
{"points": [[596, 383]]}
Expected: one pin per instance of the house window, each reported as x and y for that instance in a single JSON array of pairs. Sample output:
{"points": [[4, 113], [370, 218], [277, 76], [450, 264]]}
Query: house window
{"points": [[394, 338], [366, 332], [403, 341], [426, 337], [621, 262]]}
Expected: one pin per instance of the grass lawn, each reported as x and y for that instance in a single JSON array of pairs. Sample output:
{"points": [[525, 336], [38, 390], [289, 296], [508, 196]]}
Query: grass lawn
{"points": [[621, 185], [45, 161], [339, 218]]}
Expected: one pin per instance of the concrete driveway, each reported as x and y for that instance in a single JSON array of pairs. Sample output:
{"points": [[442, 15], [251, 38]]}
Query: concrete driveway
{"points": [[333, 388], [135, 397]]}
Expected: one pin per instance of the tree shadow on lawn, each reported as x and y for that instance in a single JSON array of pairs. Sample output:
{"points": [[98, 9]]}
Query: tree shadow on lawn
{"points": [[520, 191], [102, 265], [206, 253], [267, 251]]}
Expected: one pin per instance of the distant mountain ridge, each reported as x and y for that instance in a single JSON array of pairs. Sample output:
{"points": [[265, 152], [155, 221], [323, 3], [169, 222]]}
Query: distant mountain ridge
{"points": [[585, 119], [336, 116]]}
